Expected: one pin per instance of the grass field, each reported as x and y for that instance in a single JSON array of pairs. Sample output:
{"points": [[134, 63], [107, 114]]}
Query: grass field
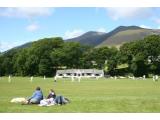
{"points": [[90, 95]]}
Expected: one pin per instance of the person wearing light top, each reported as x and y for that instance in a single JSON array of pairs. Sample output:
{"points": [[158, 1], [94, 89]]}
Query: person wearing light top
{"points": [[50, 100]]}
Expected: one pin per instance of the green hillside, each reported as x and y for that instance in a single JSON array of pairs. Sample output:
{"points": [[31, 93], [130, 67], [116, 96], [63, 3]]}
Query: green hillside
{"points": [[128, 36], [116, 37]]}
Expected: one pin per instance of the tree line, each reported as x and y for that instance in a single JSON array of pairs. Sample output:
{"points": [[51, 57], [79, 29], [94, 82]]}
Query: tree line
{"points": [[47, 55]]}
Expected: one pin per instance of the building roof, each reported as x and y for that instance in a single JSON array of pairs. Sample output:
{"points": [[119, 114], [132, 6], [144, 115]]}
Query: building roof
{"points": [[95, 71]]}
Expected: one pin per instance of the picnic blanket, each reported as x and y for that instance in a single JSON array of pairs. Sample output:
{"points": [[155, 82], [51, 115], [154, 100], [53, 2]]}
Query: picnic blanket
{"points": [[18, 100]]}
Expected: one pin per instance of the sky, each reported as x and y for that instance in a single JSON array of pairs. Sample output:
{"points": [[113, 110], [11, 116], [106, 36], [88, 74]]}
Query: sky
{"points": [[20, 25]]}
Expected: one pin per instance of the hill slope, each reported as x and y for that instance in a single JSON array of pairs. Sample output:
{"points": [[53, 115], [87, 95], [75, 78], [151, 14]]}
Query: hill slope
{"points": [[89, 38], [117, 36], [127, 36]]}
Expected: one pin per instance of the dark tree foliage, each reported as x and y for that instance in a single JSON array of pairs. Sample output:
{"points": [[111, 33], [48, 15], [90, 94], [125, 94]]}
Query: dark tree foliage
{"points": [[45, 56], [142, 56]]}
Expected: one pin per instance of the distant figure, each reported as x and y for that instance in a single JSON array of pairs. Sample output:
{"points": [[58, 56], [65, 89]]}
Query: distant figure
{"points": [[153, 78], [130, 77], [144, 77], [44, 77], [97, 77], [133, 78], [78, 75], [156, 78], [36, 97], [72, 77], [79, 78], [32, 79], [55, 79], [9, 79]]}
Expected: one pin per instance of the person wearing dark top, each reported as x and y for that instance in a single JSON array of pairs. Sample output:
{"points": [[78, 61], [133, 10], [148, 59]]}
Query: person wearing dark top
{"points": [[57, 99], [49, 100], [52, 94], [53, 99]]}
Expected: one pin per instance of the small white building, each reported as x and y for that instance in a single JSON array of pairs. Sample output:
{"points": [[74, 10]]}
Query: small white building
{"points": [[88, 73]]}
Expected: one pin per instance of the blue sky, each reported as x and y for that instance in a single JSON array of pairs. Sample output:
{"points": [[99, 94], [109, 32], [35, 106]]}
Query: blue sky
{"points": [[21, 25]]}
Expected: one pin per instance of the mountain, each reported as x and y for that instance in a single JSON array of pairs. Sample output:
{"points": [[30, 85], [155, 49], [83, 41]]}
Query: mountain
{"points": [[128, 35], [118, 36], [90, 38]]}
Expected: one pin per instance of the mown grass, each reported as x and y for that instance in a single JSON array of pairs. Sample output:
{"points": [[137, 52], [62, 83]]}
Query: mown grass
{"points": [[90, 95]]}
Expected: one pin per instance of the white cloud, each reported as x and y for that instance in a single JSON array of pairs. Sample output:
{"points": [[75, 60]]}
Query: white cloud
{"points": [[26, 12], [32, 27], [117, 13], [144, 26], [74, 33], [101, 29]]}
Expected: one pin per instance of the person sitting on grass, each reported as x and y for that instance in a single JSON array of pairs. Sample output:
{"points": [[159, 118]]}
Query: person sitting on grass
{"points": [[50, 99], [60, 100], [36, 97], [52, 94]]}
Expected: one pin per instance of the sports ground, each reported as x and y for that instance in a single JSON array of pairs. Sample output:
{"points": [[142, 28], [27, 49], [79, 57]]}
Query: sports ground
{"points": [[89, 95]]}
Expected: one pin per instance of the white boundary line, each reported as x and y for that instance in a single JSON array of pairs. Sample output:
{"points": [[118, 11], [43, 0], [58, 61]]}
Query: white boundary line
{"points": [[79, 3]]}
